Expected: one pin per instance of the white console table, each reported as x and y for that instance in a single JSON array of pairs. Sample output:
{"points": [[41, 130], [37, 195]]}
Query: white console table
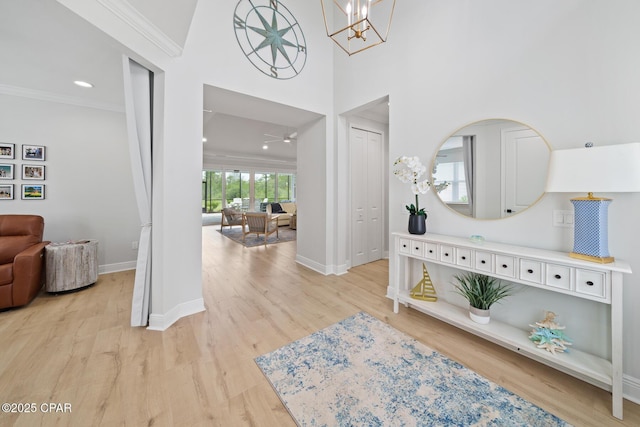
{"points": [[553, 271]]}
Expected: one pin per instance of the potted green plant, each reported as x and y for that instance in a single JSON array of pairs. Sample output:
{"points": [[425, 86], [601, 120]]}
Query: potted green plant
{"points": [[482, 292]]}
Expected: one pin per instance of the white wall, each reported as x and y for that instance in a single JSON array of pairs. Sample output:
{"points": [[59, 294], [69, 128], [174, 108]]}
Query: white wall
{"points": [[314, 206], [88, 186], [567, 69]]}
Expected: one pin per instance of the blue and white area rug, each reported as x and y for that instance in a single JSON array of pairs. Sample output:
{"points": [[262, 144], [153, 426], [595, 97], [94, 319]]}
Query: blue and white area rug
{"points": [[363, 372]]}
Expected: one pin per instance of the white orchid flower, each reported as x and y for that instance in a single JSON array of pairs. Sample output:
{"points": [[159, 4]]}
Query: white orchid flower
{"points": [[421, 188], [409, 170]]}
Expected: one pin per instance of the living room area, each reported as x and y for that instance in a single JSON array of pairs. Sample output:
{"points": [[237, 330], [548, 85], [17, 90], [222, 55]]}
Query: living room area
{"points": [[249, 155]]}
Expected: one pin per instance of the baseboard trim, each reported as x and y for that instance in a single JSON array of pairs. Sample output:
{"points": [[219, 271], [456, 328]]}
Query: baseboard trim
{"points": [[161, 322], [114, 268], [631, 388], [342, 269], [315, 266]]}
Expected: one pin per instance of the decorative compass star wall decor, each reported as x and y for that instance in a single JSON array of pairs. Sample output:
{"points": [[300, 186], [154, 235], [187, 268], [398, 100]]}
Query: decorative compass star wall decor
{"points": [[270, 37]]}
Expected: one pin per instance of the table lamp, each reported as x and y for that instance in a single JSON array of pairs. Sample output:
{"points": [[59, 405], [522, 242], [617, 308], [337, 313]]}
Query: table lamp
{"points": [[605, 169]]}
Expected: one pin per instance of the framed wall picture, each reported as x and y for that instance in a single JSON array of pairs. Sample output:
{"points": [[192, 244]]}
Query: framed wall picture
{"points": [[33, 172], [32, 191], [6, 191], [6, 171], [7, 151], [33, 152]]}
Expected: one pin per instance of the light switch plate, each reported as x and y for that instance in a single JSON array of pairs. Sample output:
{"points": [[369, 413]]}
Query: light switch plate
{"points": [[562, 218]]}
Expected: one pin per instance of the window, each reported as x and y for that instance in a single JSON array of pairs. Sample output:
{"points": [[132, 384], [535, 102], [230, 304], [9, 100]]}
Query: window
{"points": [[450, 168], [264, 189], [211, 191], [286, 187], [245, 190], [237, 189]]}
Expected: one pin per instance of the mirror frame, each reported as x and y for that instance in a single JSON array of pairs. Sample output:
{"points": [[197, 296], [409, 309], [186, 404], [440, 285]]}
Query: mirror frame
{"points": [[516, 124]]}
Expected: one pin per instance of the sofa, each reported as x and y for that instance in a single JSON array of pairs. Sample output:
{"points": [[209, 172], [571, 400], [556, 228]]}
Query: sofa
{"points": [[21, 259], [282, 208]]}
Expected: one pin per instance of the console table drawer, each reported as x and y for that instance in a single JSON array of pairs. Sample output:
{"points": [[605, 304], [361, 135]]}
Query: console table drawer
{"points": [[405, 246], [463, 257], [431, 251], [446, 254], [531, 271], [558, 276], [505, 266], [417, 248], [483, 261], [591, 283]]}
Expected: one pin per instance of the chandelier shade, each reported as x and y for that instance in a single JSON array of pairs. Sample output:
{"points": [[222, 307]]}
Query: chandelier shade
{"points": [[357, 25]]}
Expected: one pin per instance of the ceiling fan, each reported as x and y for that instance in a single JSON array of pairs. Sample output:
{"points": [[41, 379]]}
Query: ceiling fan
{"points": [[287, 138]]}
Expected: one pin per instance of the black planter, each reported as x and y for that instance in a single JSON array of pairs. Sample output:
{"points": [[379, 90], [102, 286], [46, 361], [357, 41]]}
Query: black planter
{"points": [[417, 224]]}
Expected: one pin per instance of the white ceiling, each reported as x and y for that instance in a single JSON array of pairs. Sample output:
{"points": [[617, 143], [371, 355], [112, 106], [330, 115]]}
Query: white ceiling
{"points": [[45, 47]]}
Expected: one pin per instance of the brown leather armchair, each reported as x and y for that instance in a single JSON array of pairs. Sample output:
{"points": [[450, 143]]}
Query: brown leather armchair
{"points": [[21, 259]]}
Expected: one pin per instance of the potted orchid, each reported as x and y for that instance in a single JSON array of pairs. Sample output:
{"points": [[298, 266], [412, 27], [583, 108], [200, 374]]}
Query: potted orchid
{"points": [[409, 170]]}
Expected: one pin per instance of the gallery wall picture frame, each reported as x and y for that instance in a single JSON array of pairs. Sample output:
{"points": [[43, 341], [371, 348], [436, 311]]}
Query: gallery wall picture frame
{"points": [[32, 191], [6, 191], [33, 172], [33, 152], [6, 171], [7, 151]]}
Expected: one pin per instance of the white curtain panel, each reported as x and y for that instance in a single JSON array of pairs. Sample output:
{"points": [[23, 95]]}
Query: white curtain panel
{"points": [[138, 108], [468, 152]]}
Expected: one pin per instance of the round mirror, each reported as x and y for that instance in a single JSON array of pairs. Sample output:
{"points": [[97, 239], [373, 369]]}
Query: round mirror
{"points": [[491, 169]]}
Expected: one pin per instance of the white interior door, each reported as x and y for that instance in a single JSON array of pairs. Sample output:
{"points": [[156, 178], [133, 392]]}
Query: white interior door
{"points": [[523, 179], [366, 196]]}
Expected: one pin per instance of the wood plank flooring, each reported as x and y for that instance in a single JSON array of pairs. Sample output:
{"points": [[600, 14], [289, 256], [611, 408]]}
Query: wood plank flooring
{"points": [[78, 348]]}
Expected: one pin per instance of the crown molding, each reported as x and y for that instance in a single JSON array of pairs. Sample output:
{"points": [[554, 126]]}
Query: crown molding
{"points": [[130, 15], [57, 98]]}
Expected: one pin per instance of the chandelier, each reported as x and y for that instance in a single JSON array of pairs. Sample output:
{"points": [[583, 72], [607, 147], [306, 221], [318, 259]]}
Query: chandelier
{"points": [[357, 25]]}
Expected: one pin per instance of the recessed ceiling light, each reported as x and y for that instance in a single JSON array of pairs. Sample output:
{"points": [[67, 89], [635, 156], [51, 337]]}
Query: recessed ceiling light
{"points": [[265, 147], [83, 84], [204, 139]]}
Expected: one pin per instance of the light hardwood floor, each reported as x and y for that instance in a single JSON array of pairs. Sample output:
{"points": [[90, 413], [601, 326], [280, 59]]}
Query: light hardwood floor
{"points": [[78, 348]]}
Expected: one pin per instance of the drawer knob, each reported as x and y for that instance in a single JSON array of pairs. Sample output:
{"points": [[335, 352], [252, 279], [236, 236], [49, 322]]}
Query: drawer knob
{"points": [[483, 262], [404, 246], [446, 254], [530, 271], [504, 265], [417, 248], [463, 257], [430, 251], [557, 276], [589, 283]]}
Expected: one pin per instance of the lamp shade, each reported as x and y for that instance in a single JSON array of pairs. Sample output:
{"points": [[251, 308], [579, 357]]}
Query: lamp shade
{"points": [[608, 169]]}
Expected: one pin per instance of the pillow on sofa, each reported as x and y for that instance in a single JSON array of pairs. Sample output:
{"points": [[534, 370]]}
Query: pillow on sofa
{"points": [[276, 208]]}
